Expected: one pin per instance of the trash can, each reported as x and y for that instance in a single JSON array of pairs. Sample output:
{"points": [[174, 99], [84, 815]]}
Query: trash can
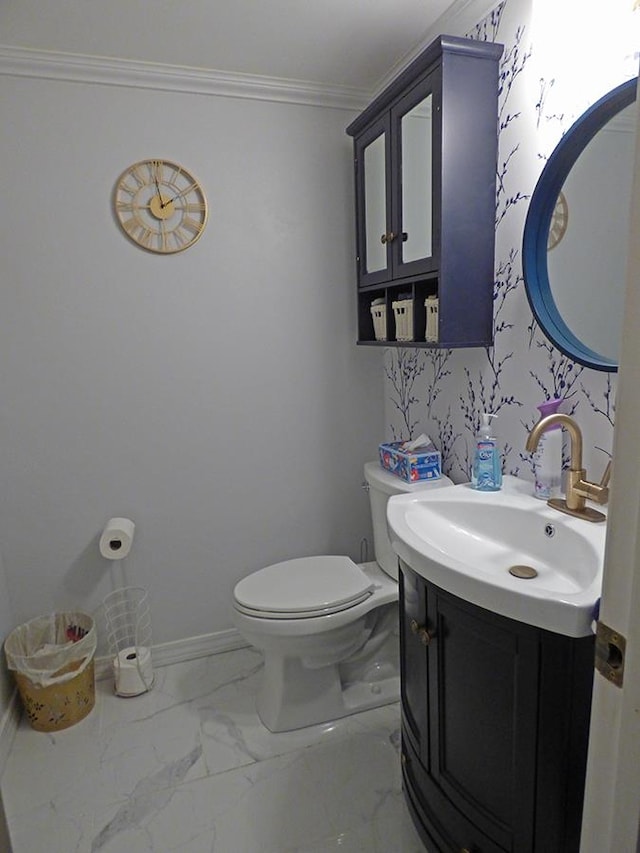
{"points": [[52, 659], [128, 620]]}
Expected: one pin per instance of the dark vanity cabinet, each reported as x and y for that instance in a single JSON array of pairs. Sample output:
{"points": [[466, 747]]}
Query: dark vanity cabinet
{"points": [[425, 175], [495, 718]]}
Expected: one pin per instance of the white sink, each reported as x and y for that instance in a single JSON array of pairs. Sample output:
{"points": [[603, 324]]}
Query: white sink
{"points": [[465, 542]]}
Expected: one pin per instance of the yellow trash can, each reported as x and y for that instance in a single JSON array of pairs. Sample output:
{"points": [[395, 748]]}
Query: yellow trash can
{"points": [[52, 658]]}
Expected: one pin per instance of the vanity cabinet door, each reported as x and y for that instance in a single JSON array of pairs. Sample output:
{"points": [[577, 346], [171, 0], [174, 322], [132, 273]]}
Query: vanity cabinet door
{"points": [[483, 686], [414, 664], [495, 724]]}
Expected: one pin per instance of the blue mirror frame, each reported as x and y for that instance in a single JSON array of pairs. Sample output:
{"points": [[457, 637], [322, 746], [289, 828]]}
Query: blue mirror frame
{"points": [[538, 222]]}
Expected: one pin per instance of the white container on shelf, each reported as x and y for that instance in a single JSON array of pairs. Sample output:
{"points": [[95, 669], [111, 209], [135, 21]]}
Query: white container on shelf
{"points": [[431, 307], [403, 314], [379, 315]]}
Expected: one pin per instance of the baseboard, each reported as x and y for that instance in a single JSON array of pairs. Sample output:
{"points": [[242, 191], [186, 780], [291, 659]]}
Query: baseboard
{"points": [[178, 651], [8, 728]]}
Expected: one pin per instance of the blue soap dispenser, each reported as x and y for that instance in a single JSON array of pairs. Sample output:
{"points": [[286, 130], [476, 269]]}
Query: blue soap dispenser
{"points": [[487, 465]]}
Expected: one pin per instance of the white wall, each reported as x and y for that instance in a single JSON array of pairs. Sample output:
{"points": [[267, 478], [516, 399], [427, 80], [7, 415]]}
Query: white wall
{"points": [[6, 624], [215, 396]]}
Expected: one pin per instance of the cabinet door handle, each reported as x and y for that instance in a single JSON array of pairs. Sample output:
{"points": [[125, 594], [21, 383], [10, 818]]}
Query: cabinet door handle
{"points": [[405, 236], [389, 237], [422, 632]]}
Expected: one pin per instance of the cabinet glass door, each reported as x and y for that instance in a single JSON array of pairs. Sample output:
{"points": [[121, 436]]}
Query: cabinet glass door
{"points": [[373, 194], [415, 123], [417, 207], [375, 204]]}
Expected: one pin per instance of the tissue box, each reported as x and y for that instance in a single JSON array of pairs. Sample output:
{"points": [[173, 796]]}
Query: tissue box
{"points": [[411, 466]]}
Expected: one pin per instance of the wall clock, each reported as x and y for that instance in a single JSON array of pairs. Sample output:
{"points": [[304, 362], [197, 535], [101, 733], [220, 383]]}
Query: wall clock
{"points": [[160, 206]]}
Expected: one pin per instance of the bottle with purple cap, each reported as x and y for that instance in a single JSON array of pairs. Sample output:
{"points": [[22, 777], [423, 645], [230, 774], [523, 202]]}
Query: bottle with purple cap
{"points": [[547, 461]]}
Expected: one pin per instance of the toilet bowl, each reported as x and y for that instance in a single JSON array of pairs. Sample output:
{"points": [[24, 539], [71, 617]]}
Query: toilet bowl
{"points": [[328, 627]]}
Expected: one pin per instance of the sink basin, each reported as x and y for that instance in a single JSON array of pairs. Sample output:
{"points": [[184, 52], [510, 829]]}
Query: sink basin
{"points": [[466, 542]]}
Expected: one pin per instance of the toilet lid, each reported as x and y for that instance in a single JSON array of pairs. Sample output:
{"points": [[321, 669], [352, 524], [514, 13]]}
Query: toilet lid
{"points": [[308, 586]]}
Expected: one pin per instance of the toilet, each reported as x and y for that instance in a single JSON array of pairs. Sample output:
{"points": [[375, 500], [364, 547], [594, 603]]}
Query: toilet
{"points": [[328, 627]]}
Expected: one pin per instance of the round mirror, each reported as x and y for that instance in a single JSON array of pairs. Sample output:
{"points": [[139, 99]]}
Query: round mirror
{"points": [[576, 231]]}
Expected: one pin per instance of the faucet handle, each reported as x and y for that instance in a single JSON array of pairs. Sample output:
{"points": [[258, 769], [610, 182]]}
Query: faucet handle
{"points": [[598, 492]]}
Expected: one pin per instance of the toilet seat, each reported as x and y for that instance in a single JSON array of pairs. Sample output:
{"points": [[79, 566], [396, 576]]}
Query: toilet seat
{"points": [[303, 588]]}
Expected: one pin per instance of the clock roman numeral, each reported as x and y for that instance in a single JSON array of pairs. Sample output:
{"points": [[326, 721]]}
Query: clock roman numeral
{"points": [[127, 189], [137, 175], [156, 169], [138, 232], [180, 194], [146, 238], [192, 224], [164, 244], [180, 237], [175, 174]]}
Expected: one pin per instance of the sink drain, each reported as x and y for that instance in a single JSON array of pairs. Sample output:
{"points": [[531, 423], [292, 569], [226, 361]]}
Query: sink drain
{"points": [[523, 572]]}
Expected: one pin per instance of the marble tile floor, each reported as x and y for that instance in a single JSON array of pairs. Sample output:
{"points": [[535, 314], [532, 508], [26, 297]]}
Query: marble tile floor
{"points": [[188, 767]]}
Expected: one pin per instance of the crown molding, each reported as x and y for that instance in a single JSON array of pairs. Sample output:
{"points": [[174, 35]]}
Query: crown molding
{"points": [[105, 71]]}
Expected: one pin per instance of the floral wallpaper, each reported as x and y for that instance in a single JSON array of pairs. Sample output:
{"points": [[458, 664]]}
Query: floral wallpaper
{"points": [[444, 392]]}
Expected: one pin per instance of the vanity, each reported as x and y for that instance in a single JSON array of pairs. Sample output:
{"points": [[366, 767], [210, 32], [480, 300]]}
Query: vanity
{"points": [[496, 667], [425, 154], [495, 725]]}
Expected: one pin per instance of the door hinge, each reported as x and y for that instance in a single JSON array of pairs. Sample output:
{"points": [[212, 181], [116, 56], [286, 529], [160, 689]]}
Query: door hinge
{"points": [[610, 653]]}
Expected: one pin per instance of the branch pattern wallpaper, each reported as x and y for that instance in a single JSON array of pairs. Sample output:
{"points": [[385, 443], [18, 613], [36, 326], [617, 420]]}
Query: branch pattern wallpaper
{"points": [[444, 392]]}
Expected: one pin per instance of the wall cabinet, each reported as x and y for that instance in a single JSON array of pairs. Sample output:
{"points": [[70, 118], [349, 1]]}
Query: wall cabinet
{"points": [[425, 153], [495, 719]]}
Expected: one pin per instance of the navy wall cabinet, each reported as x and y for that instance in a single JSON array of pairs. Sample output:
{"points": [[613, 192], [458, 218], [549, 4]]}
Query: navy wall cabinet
{"points": [[495, 722], [425, 155]]}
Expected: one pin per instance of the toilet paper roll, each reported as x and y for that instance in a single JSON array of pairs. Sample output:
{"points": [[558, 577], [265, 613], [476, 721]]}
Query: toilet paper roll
{"points": [[117, 538], [133, 671]]}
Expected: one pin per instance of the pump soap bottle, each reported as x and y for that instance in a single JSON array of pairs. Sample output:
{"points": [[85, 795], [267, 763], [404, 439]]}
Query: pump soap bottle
{"points": [[487, 465], [547, 461]]}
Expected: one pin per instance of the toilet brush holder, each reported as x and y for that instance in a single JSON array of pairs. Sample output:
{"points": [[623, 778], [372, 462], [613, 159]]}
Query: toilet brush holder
{"points": [[128, 620]]}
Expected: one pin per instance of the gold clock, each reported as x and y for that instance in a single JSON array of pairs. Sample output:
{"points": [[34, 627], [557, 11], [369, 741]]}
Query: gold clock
{"points": [[160, 206]]}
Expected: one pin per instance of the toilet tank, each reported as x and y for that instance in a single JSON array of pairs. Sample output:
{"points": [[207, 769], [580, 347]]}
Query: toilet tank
{"points": [[382, 485]]}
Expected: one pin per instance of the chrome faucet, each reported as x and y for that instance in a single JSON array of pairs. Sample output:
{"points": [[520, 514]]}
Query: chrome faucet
{"points": [[578, 488]]}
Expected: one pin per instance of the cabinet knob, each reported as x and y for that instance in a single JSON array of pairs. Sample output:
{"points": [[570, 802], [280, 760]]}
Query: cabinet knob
{"points": [[389, 237], [422, 632]]}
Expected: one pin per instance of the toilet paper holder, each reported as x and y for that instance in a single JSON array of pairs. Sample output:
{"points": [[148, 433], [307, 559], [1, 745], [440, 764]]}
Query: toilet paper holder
{"points": [[117, 538], [128, 619]]}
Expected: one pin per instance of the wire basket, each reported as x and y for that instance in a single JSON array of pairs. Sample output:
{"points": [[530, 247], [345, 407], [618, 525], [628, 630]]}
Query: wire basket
{"points": [[128, 619]]}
